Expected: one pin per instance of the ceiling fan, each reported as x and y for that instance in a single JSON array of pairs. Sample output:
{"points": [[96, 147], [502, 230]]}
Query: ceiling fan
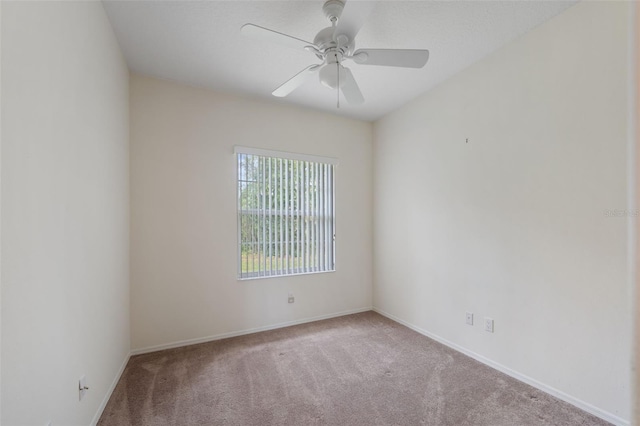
{"points": [[335, 44]]}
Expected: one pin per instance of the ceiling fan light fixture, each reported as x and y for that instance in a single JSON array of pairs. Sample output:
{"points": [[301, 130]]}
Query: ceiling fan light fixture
{"points": [[329, 76]]}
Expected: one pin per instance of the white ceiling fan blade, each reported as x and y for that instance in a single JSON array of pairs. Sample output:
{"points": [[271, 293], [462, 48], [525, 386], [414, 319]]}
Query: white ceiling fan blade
{"points": [[296, 81], [408, 58], [350, 89], [352, 18], [257, 31]]}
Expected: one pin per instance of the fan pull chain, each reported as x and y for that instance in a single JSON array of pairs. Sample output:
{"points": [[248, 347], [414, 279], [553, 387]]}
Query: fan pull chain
{"points": [[338, 87]]}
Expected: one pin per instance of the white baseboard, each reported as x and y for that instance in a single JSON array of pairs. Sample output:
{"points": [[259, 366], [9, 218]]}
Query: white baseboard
{"points": [[243, 332], [105, 400], [611, 418]]}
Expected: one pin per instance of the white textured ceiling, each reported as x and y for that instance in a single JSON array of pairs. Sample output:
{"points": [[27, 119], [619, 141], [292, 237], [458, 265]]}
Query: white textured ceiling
{"points": [[199, 43]]}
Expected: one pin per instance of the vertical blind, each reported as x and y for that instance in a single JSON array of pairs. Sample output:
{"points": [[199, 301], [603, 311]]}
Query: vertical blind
{"points": [[286, 210]]}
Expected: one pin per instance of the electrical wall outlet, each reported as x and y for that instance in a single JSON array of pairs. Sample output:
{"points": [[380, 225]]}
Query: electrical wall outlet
{"points": [[470, 318], [488, 325], [82, 387], [291, 298]]}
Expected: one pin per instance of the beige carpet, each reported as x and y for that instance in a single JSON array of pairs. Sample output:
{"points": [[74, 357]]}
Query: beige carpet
{"points": [[361, 369]]}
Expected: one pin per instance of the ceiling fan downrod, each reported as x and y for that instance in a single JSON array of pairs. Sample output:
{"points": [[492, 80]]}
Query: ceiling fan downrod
{"points": [[332, 10]]}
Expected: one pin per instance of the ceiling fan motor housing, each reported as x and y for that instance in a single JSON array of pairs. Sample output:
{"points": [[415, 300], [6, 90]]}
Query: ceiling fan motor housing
{"points": [[324, 41]]}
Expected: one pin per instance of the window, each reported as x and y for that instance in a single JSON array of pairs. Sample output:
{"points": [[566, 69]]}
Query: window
{"points": [[286, 222]]}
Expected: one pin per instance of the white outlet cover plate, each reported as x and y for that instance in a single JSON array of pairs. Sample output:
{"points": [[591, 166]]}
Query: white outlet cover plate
{"points": [[488, 325], [469, 318]]}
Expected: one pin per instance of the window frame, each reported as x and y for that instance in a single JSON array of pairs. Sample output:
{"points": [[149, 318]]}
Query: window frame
{"points": [[316, 161]]}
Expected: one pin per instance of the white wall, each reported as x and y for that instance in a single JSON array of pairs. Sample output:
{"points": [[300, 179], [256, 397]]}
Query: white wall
{"points": [[65, 211], [0, 209], [512, 225], [183, 214], [634, 143]]}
